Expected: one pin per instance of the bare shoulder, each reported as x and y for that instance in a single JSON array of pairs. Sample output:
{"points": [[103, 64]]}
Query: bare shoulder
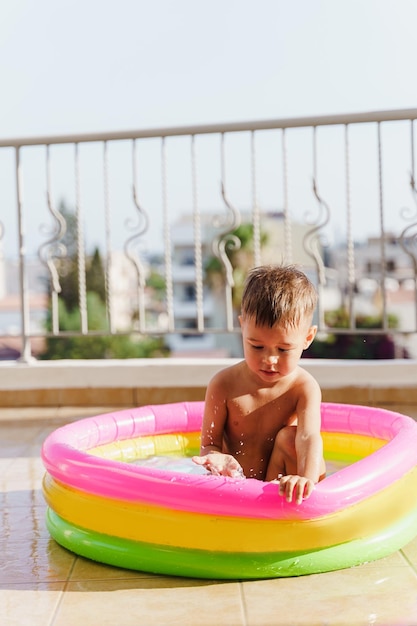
{"points": [[307, 382], [305, 375], [227, 378]]}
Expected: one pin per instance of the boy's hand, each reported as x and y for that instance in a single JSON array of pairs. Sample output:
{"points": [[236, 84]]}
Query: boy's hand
{"points": [[295, 487], [220, 464]]}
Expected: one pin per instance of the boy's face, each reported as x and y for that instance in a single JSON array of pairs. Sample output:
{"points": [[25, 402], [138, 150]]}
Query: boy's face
{"points": [[272, 353]]}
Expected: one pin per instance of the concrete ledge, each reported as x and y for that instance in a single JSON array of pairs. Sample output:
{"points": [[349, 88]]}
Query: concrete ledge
{"points": [[136, 373], [155, 381], [126, 373]]}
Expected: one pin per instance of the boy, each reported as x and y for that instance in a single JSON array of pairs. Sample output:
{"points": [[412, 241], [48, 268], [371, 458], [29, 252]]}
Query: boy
{"points": [[262, 415]]}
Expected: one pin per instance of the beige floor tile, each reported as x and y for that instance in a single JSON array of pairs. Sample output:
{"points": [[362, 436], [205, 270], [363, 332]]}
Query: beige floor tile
{"points": [[26, 471], [29, 605], [19, 432], [410, 553], [160, 601], [72, 413], [384, 595], [27, 413]]}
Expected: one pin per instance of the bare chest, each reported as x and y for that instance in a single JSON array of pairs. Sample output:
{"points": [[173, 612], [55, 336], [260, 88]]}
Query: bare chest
{"points": [[259, 416]]}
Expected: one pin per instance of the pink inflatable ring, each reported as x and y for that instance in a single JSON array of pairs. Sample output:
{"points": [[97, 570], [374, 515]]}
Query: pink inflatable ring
{"points": [[103, 506]]}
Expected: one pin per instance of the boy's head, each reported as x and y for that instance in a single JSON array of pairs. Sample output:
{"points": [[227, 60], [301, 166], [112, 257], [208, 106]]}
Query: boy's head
{"points": [[278, 295]]}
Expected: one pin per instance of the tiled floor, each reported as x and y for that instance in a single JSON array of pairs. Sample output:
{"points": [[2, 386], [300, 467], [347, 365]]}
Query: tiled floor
{"points": [[41, 584]]}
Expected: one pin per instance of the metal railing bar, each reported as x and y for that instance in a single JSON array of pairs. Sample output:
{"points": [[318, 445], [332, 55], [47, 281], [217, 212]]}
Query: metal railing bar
{"points": [[227, 127], [350, 247], [169, 292], [26, 355], [287, 216], [198, 258], [108, 241], [82, 287], [256, 218], [382, 230]]}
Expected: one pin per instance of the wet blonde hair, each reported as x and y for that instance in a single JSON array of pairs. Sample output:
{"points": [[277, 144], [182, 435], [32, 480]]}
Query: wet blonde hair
{"points": [[278, 294]]}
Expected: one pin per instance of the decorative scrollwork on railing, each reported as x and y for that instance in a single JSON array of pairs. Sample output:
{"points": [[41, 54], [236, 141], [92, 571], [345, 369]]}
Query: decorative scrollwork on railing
{"points": [[141, 226], [408, 236], [313, 240], [225, 239], [53, 248]]}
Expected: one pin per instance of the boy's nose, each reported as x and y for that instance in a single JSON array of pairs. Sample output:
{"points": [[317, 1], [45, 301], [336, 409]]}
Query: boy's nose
{"points": [[272, 358]]}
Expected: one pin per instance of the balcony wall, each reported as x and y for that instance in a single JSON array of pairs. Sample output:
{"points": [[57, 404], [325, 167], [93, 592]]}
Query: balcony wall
{"points": [[126, 383]]}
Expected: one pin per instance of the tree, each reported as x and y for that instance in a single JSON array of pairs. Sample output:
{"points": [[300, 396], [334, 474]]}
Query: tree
{"points": [[94, 276]]}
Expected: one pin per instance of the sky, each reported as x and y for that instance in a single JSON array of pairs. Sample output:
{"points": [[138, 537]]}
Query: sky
{"points": [[72, 66], [78, 66]]}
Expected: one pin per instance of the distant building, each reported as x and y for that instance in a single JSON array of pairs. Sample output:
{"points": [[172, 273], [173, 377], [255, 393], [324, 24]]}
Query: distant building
{"points": [[184, 290], [399, 281], [368, 259], [10, 305], [184, 282]]}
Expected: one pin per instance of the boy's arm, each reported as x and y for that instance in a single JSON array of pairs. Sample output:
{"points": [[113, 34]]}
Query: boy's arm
{"points": [[308, 446], [212, 430]]}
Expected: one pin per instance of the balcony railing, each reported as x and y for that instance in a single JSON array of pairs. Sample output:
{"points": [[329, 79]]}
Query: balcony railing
{"points": [[336, 194]]}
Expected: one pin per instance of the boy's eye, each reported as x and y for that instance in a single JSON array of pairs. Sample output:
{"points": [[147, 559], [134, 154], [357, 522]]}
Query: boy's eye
{"points": [[257, 347]]}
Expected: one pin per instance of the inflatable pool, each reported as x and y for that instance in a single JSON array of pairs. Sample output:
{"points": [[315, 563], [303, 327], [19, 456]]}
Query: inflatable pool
{"points": [[105, 505]]}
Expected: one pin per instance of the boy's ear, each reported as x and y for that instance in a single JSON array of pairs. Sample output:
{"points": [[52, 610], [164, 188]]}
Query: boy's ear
{"points": [[311, 333], [240, 320]]}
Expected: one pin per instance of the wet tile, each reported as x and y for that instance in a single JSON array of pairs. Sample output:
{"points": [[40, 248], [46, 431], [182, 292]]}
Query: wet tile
{"points": [[9, 451], [167, 601], [20, 521], [27, 551], [39, 559], [29, 605], [363, 595], [12, 496]]}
